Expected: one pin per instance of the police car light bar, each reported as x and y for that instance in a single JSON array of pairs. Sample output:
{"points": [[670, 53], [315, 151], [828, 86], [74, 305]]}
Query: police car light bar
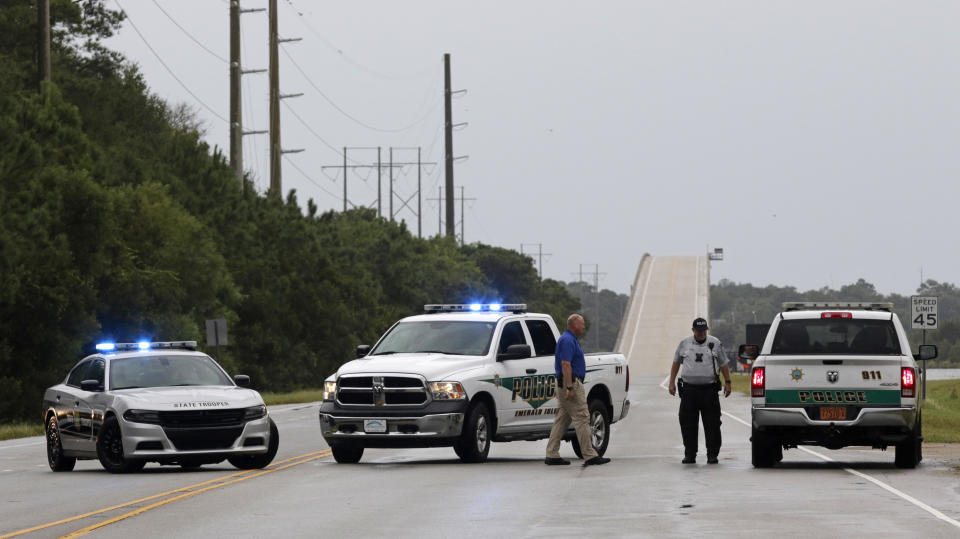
{"points": [[145, 345], [476, 308], [814, 306]]}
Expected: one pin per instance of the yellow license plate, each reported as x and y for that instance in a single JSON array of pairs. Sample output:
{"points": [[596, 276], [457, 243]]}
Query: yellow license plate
{"points": [[833, 413]]}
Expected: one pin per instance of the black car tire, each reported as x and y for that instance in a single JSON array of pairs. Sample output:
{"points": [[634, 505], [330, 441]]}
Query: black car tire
{"points": [[261, 460], [598, 421], [765, 449], [55, 458], [474, 442], [110, 449], [909, 452], [346, 454]]}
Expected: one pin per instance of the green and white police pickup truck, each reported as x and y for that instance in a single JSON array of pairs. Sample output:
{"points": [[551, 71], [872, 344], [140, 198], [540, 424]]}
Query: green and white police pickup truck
{"points": [[462, 376], [836, 375]]}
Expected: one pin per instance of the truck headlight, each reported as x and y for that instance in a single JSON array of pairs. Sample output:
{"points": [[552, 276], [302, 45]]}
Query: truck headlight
{"points": [[254, 412], [142, 416], [329, 391], [442, 391]]}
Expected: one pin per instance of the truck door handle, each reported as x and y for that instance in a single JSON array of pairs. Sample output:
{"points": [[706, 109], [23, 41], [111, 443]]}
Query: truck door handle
{"points": [[531, 371]]}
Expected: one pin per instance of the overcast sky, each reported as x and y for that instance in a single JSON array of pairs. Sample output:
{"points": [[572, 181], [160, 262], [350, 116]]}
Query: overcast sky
{"points": [[816, 142]]}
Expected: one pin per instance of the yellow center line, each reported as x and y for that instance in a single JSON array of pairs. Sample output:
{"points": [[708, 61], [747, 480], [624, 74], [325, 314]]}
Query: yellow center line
{"points": [[153, 497], [136, 512]]}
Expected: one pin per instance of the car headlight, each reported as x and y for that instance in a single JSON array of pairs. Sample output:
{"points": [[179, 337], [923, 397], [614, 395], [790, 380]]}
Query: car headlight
{"points": [[329, 391], [442, 391], [142, 416], [254, 412]]}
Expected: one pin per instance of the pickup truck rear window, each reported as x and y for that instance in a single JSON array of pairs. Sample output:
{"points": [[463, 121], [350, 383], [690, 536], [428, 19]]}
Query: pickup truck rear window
{"points": [[457, 338], [833, 336]]}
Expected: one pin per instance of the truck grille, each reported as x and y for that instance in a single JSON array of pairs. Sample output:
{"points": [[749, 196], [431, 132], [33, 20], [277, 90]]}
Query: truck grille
{"points": [[381, 391]]}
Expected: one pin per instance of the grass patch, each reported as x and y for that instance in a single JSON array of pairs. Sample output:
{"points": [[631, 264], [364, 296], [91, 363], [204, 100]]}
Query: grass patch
{"points": [[941, 410], [295, 397], [20, 430]]}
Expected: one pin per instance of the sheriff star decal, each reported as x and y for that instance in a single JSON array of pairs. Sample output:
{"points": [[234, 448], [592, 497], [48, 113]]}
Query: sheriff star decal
{"points": [[796, 375]]}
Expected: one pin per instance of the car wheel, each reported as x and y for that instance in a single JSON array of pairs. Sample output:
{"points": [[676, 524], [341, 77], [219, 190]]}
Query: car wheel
{"points": [[908, 451], [110, 449], [474, 442], [252, 462], [55, 458], [346, 454], [765, 449], [599, 430]]}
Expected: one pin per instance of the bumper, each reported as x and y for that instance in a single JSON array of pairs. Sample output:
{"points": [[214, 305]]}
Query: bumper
{"points": [[625, 410], [896, 418], [438, 424], [151, 442]]}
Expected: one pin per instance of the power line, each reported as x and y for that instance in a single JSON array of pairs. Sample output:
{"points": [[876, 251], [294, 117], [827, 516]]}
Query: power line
{"points": [[188, 34], [347, 114], [165, 66], [307, 176]]}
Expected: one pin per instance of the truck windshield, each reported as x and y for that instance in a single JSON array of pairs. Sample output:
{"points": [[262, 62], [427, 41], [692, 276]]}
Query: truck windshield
{"points": [[836, 336], [165, 371], [441, 336]]}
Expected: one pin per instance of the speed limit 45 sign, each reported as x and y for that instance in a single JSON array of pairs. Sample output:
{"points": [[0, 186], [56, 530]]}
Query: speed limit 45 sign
{"points": [[924, 312]]}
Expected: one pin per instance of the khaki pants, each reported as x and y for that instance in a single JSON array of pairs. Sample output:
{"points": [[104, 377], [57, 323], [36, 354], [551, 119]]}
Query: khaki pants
{"points": [[571, 410]]}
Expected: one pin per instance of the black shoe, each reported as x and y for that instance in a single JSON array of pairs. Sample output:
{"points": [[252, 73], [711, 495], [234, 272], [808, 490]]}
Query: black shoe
{"points": [[555, 461], [712, 459], [689, 460], [596, 461]]}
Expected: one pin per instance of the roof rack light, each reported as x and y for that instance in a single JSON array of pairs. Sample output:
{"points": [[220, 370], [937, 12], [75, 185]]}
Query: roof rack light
{"points": [[475, 308], [858, 305], [145, 345]]}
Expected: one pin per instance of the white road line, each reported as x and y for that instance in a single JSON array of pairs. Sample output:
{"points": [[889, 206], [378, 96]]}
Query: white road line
{"points": [[21, 445], [643, 300], [873, 480]]}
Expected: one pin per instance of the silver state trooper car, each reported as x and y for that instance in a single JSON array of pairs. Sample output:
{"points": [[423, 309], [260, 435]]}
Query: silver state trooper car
{"points": [[133, 403]]}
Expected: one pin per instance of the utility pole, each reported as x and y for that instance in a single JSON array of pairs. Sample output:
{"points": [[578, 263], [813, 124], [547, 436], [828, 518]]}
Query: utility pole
{"points": [[43, 45], [448, 141], [540, 255], [345, 168], [390, 172], [405, 202], [419, 196], [596, 290], [236, 103], [276, 151], [379, 188]]}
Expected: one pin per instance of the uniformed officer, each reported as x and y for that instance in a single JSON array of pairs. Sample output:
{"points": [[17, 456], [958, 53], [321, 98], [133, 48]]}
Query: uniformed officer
{"points": [[571, 368], [703, 361]]}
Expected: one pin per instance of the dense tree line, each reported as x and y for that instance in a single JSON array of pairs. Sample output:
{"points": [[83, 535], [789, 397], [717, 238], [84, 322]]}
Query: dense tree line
{"points": [[602, 330], [733, 305], [117, 221]]}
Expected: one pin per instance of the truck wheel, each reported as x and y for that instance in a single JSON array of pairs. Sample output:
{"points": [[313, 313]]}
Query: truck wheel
{"points": [[908, 452], [766, 451], [252, 462], [110, 449], [599, 429], [55, 458], [474, 442], [346, 454]]}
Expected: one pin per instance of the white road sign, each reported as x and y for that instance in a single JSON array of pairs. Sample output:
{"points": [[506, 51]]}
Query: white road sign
{"points": [[923, 312]]}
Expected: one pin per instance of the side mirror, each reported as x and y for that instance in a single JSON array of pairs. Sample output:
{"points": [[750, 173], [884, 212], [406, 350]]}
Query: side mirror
{"points": [[927, 351], [363, 350], [748, 351], [515, 351], [91, 385], [242, 380]]}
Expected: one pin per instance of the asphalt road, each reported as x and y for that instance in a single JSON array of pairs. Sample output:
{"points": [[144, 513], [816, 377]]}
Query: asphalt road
{"points": [[645, 491]]}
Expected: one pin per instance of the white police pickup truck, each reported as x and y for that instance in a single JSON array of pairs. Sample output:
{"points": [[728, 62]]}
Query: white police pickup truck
{"points": [[836, 375], [463, 376]]}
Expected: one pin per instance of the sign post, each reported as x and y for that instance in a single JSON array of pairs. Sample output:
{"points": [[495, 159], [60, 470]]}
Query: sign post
{"points": [[924, 315], [217, 333]]}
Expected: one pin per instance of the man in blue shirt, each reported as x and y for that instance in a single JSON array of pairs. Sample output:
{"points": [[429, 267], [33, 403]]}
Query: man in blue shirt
{"points": [[571, 368]]}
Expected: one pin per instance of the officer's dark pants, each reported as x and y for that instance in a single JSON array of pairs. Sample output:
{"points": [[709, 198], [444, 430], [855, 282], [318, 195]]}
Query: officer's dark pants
{"points": [[700, 401]]}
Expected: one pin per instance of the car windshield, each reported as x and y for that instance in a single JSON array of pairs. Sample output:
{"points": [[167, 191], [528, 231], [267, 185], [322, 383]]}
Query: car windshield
{"points": [[440, 336], [165, 371], [836, 336]]}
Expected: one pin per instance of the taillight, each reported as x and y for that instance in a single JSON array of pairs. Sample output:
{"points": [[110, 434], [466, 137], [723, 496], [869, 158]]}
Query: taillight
{"points": [[908, 382], [836, 315], [626, 389], [757, 382]]}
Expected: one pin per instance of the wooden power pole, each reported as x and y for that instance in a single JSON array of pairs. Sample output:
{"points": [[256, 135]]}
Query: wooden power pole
{"points": [[448, 144], [275, 181], [43, 45]]}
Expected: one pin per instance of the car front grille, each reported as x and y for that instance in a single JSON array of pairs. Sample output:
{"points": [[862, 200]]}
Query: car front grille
{"points": [[202, 418], [381, 391], [190, 430]]}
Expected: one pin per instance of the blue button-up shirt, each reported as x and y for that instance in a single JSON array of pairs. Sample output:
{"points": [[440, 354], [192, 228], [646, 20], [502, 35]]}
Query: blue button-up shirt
{"points": [[568, 349]]}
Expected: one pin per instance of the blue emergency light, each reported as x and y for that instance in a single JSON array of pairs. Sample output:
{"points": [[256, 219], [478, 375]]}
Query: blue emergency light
{"points": [[475, 308], [145, 345]]}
